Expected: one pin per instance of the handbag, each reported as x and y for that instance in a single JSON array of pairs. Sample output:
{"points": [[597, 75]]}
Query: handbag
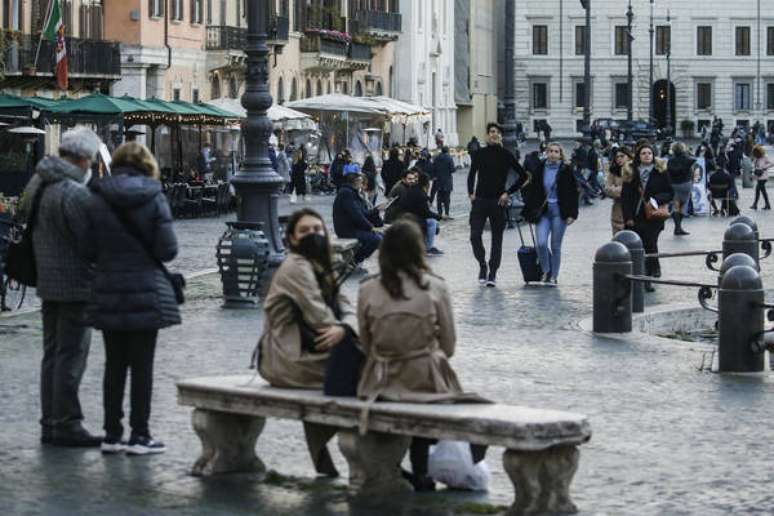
{"points": [[20, 262], [175, 279], [654, 214]]}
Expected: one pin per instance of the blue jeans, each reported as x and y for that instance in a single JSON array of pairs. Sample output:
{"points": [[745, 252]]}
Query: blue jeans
{"points": [[551, 223], [369, 243], [431, 226]]}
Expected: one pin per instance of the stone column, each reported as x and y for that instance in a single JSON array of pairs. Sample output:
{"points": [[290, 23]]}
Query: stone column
{"points": [[542, 479], [374, 462], [228, 443]]}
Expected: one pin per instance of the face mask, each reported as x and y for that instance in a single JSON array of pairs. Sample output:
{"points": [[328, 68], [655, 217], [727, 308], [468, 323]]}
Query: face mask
{"points": [[314, 247], [86, 177]]}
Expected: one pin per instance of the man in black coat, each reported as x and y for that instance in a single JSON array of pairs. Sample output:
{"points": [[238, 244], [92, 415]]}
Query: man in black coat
{"points": [[353, 219], [415, 203], [337, 169], [443, 182], [489, 199]]}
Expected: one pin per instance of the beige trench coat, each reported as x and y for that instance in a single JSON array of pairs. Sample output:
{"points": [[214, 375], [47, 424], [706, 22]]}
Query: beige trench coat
{"points": [[282, 362], [613, 185], [408, 343]]}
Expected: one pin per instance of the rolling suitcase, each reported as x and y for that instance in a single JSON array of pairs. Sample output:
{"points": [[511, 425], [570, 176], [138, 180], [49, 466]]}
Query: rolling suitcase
{"points": [[528, 258]]}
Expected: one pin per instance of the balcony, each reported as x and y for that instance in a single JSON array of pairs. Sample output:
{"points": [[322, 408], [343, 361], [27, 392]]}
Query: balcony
{"points": [[382, 26], [360, 52], [223, 37], [87, 59], [325, 54]]}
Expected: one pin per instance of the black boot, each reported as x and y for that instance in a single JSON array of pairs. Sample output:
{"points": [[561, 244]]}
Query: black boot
{"points": [[678, 217]]}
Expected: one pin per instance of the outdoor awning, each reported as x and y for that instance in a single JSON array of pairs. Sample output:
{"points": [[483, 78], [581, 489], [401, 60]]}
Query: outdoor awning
{"points": [[338, 102], [402, 112], [96, 104], [283, 117]]}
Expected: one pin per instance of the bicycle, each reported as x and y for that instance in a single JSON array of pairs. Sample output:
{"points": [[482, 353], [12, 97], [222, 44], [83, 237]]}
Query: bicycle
{"points": [[9, 232]]}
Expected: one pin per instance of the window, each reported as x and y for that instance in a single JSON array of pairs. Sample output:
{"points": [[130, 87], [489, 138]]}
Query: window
{"points": [[539, 95], [621, 40], [770, 96], [704, 95], [580, 40], [90, 17], [742, 96], [580, 94], [233, 89], [621, 95], [280, 91], [215, 88], [770, 41], [12, 14], [328, 88], [195, 96], [309, 92], [319, 87], [704, 41], [743, 41], [663, 39], [209, 12], [293, 90], [177, 10], [196, 11], [540, 40], [176, 94], [379, 89], [156, 8]]}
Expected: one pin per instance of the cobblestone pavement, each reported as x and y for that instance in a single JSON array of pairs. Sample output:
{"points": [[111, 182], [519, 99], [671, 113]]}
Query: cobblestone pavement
{"points": [[668, 439]]}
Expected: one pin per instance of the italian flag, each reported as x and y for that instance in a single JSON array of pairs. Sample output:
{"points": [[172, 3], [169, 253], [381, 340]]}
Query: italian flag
{"points": [[54, 31]]}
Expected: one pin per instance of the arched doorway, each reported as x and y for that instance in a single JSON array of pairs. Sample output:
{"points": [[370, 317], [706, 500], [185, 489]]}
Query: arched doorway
{"points": [[660, 103], [358, 89]]}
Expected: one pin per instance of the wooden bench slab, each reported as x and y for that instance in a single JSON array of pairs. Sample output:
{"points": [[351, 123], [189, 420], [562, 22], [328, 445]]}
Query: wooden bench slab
{"points": [[541, 446]]}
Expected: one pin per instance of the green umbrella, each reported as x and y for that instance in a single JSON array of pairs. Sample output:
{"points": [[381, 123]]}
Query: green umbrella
{"points": [[97, 104]]}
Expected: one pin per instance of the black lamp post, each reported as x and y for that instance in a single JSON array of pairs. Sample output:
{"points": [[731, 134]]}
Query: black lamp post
{"points": [[629, 76], [256, 183], [587, 69], [668, 128], [651, 114], [510, 138]]}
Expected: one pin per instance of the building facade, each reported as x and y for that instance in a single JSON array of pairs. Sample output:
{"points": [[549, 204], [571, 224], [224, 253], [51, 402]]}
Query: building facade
{"points": [[475, 67], [424, 64], [722, 63]]}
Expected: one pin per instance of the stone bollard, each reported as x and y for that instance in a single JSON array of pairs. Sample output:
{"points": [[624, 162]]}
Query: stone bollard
{"points": [[744, 219], [633, 243], [734, 260], [612, 294], [740, 320], [740, 238]]}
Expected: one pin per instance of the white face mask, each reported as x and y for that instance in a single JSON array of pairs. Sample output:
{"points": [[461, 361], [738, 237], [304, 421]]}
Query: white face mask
{"points": [[86, 177]]}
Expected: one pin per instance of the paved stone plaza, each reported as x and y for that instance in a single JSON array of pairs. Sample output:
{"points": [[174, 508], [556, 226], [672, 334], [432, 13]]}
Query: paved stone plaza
{"points": [[668, 439]]}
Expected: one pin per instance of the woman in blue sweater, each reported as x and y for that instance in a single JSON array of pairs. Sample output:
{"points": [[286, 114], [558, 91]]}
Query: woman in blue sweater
{"points": [[551, 202]]}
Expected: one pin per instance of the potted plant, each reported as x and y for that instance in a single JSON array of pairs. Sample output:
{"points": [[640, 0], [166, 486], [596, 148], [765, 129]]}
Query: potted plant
{"points": [[687, 127]]}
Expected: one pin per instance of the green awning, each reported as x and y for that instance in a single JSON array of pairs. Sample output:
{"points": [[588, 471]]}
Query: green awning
{"points": [[97, 104]]}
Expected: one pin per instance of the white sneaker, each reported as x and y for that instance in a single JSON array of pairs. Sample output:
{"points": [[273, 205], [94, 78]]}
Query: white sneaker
{"points": [[144, 446], [111, 446]]}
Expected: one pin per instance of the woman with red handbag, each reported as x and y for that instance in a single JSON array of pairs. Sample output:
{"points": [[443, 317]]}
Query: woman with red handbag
{"points": [[645, 194]]}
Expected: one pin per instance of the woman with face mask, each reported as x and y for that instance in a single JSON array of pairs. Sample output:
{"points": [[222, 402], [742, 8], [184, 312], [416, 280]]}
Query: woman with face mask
{"points": [[645, 180]]}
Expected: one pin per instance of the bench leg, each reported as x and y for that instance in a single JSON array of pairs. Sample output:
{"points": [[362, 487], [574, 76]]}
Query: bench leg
{"points": [[228, 443], [374, 462], [542, 479]]}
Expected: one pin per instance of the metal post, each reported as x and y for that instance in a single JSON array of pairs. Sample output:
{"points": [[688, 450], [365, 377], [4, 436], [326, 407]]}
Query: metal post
{"points": [[668, 128], [612, 293], [650, 85], [734, 260], [633, 243], [744, 219], [630, 77], [740, 321], [587, 69], [740, 238], [510, 138], [256, 183]]}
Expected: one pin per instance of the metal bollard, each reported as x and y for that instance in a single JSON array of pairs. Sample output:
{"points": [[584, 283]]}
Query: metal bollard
{"points": [[740, 238], [633, 243], [740, 321], [734, 260], [612, 294], [744, 219]]}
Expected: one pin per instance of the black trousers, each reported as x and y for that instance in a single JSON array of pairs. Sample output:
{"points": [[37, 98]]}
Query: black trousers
{"points": [[649, 232], [342, 371], [299, 183], [760, 189], [444, 202], [66, 343], [481, 211], [128, 351]]}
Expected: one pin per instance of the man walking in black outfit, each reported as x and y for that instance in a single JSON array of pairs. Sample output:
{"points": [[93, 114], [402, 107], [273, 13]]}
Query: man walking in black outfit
{"points": [[489, 199]]}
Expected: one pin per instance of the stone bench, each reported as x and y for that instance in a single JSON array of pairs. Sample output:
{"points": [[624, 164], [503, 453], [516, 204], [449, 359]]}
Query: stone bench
{"points": [[541, 446]]}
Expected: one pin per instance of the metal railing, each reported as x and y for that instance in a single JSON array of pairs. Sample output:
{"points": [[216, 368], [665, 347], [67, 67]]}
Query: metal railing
{"points": [[224, 37], [316, 43], [713, 257], [85, 57], [363, 21], [360, 52]]}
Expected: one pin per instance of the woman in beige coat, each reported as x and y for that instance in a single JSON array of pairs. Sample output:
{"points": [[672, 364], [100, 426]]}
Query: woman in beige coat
{"points": [[407, 334], [613, 184]]}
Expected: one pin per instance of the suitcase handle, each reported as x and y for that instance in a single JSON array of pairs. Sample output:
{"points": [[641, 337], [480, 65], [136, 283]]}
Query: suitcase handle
{"points": [[531, 233]]}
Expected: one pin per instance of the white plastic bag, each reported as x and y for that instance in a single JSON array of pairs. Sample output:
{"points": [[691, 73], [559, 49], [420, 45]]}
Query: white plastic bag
{"points": [[451, 463]]}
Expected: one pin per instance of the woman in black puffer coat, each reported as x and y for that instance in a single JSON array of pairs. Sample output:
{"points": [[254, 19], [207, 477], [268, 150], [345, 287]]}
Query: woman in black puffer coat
{"points": [[132, 298]]}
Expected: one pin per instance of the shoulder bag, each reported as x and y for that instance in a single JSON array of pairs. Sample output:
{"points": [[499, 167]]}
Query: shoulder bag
{"points": [[654, 214], [175, 279], [20, 264]]}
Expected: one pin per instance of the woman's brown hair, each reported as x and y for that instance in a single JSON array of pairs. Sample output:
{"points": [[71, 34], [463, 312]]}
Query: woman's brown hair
{"points": [[137, 156], [758, 151], [402, 250], [322, 265]]}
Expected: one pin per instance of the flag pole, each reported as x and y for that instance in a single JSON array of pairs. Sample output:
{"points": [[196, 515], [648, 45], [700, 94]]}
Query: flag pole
{"points": [[40, 40]]}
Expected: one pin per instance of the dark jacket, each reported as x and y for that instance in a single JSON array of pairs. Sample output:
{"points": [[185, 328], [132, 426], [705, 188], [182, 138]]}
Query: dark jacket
{"points": [[416, 203], [391, 172], [60, 231], [534, 194], [659, 187], [350, 213], [130, 291], [533, 161], [720, 184], [394, 210], [680, 169], [337, 172], [491, 164], [443, 168]]}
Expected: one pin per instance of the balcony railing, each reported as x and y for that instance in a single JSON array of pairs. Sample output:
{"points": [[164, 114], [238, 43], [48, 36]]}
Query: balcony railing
{"points": [[359, 52], [85, 57], [222, 37], [316, 43], [379, 21]]}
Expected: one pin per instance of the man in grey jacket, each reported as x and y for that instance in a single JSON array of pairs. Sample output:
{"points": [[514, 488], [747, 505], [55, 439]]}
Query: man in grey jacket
{"points": [[64, 284]]}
